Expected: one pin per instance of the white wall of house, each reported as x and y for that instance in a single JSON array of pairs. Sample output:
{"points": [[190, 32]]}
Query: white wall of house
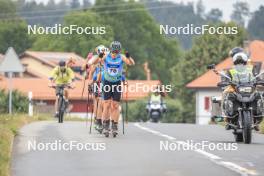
{"points": [[204, 104]]}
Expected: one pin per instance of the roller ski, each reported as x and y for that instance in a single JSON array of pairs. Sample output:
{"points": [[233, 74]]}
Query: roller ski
{"points": [[106, 128], [99, 126], [114, 129]]}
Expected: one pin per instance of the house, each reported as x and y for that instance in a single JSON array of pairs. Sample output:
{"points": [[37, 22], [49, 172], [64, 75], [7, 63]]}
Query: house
{"points": [[205, 86], [44, 97], [40, 63], [38, 66]]}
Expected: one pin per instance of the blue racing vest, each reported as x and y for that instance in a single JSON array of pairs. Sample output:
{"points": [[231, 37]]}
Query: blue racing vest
{"points": [[113, 68], [97, 75]]}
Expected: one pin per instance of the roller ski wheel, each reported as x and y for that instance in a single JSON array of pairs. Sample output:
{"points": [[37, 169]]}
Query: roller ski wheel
{"points": [[114, 133], [114, 129], [106, 134]]}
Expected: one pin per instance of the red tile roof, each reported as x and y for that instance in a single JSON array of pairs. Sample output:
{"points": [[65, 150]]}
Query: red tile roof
{"points": [[41, 91], [52, 58], [210, 79]]}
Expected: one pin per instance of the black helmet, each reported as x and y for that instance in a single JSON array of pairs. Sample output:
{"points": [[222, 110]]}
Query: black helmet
{"points": [[235, 51], [115, 46], [62, 63]]}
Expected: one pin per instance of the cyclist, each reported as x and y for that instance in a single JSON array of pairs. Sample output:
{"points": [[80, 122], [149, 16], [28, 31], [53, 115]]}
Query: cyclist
{"points": [[113, 69], [61, 75]]}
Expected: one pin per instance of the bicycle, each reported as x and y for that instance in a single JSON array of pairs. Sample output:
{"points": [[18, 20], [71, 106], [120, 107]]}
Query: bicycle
{"points": [[62, 103]]}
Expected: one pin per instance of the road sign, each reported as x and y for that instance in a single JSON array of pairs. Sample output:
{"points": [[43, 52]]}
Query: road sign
{"points": [[11, 64]]}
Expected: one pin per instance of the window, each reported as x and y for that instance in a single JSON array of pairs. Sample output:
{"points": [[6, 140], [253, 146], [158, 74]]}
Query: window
{"points": [[207, 103]]}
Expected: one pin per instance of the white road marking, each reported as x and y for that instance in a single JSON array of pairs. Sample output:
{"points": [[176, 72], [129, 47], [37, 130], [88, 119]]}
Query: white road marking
{"points": [[214, 158]]}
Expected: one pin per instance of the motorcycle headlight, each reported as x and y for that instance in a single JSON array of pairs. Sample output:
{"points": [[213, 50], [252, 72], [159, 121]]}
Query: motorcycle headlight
{"points": [[245, 89]]}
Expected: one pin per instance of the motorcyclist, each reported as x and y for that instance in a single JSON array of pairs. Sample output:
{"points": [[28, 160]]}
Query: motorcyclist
{"points": [[241, 66], [156, 97]]}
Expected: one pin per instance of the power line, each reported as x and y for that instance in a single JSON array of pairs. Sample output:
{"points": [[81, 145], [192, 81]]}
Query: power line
{"points": [[78, 9], [106, 12]]}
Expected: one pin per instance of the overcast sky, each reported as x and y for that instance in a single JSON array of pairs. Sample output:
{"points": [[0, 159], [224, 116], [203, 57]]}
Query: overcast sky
{"points": [[224, 5]]}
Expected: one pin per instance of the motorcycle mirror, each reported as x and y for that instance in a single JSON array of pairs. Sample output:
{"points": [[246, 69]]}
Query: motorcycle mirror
{"points": [[211, 66]]}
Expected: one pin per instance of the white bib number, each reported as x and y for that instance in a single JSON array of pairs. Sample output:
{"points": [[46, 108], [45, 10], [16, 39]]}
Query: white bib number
{"points": [[112, 71]]}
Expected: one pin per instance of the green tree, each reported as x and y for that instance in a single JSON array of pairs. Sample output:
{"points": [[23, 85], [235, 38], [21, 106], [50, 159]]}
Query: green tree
{"points": [[13, 31], [138, 32], [256, 24], [19, 102], [214, 15], [79, 43], [7, 8], [86, 3], [200, 9], [75, 4], [176, 14], [240, 12]]}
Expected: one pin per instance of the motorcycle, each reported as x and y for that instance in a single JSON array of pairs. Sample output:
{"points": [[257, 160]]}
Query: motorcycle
{"points": [[243, 109], [155, 110]]}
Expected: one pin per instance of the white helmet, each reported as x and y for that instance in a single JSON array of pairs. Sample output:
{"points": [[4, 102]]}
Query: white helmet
{"points": [[107, 50], [100, 49], [240, 58]]}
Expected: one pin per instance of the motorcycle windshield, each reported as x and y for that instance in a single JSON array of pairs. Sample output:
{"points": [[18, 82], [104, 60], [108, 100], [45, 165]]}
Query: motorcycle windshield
{"points": [[243, 75]]}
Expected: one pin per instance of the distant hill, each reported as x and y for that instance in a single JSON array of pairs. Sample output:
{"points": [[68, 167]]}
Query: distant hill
{"points": [[174, 14]]}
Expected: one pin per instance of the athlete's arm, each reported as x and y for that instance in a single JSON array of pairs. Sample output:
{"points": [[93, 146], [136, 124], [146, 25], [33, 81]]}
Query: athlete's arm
{"points": [[53, 76], [96, 59], [128, 59], [91, 72]]}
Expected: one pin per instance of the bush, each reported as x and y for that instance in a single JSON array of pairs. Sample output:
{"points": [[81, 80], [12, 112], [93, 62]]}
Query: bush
{"points": [[19, 102], [174, 112], [137, 111]]}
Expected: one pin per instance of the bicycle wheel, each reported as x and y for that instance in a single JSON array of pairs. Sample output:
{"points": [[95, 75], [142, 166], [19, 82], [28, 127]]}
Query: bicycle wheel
{"points": [[61, 109]]}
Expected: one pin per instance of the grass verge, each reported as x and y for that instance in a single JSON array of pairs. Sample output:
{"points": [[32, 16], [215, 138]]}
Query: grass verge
{"points": [[9, 126]]}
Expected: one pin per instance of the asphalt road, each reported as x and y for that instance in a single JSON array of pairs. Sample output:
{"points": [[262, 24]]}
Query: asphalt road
{"points": [[137, 153]]}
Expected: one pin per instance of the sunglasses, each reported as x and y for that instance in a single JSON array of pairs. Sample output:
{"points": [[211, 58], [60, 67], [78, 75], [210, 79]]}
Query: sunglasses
{"points": [[115, 51]]}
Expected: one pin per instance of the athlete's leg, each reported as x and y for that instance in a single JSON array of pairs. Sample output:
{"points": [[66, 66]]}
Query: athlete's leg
{"points": [[100, 108], [115, 107], [115, 113], [106, 108]]}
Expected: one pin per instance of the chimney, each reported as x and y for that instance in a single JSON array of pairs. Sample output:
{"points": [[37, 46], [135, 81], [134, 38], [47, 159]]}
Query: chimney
{"points": [[147, 70]]}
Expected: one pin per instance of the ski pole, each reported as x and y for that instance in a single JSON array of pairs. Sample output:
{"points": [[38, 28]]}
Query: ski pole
{"points": [[91, 119], [87, 108], [127, 103], [122, 112]]}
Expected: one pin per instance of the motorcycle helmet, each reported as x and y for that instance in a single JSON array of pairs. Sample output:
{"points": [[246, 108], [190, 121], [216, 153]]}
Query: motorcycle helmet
{"points": [[240, 58], [235, 51]]}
